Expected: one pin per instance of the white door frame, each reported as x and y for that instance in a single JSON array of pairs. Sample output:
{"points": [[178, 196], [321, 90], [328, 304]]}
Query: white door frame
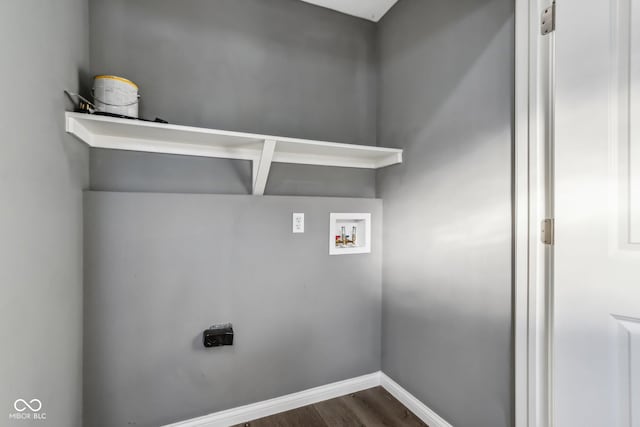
{"points": [[532, 203]]}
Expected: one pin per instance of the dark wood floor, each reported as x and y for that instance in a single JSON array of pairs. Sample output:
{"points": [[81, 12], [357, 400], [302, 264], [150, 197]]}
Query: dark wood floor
{"points": [[374, 407]]}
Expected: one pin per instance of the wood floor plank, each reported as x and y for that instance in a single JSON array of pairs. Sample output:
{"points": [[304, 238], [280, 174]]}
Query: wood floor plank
{"points": [[336, 413], [306, 416], [374, 407], [395, 408]]}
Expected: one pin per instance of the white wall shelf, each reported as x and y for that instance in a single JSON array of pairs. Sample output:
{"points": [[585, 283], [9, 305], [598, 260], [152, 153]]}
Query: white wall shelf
{"points": [[262, 150]]}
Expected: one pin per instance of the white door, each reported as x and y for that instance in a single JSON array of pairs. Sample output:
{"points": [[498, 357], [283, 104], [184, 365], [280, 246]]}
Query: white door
{"points": [[596, 277]]}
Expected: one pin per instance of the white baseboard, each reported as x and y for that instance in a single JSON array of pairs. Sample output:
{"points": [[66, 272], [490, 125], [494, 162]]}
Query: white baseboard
{"points": [[265, 408], [421, 410], [274, 406]]}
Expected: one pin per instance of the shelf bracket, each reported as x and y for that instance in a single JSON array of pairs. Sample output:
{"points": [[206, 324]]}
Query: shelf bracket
{"points": [[261, 167]]}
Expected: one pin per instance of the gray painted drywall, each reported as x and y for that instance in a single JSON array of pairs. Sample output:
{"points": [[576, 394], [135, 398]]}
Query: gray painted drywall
{"points": [[115, 170], [446, 97], [287, 179], [42, 173], [130, 171], [278, 67], [160, 268]]}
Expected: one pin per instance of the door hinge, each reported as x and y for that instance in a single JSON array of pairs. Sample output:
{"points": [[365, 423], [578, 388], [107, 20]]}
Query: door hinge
{"points": [[547, 231], [548, 20]]}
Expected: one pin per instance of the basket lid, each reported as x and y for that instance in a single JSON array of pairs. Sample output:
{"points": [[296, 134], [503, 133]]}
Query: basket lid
{"points": [[120, 79]]}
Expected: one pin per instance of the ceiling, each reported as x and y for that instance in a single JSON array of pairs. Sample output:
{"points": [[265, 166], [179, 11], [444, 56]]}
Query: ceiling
{"points": [[372, 10]]}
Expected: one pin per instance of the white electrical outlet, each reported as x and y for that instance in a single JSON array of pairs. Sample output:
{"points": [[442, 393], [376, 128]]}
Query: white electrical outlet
{"points": [[298, 222]]}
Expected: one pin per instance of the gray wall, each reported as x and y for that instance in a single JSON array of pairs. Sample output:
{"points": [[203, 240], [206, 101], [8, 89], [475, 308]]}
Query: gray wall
{"points": [[115, 170], [42, 172], [446, 97], [160, 268], [178, 263], [279, 67]]}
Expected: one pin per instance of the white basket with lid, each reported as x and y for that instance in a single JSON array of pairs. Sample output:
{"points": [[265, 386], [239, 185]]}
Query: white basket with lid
{"points": [[116, 95]]}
